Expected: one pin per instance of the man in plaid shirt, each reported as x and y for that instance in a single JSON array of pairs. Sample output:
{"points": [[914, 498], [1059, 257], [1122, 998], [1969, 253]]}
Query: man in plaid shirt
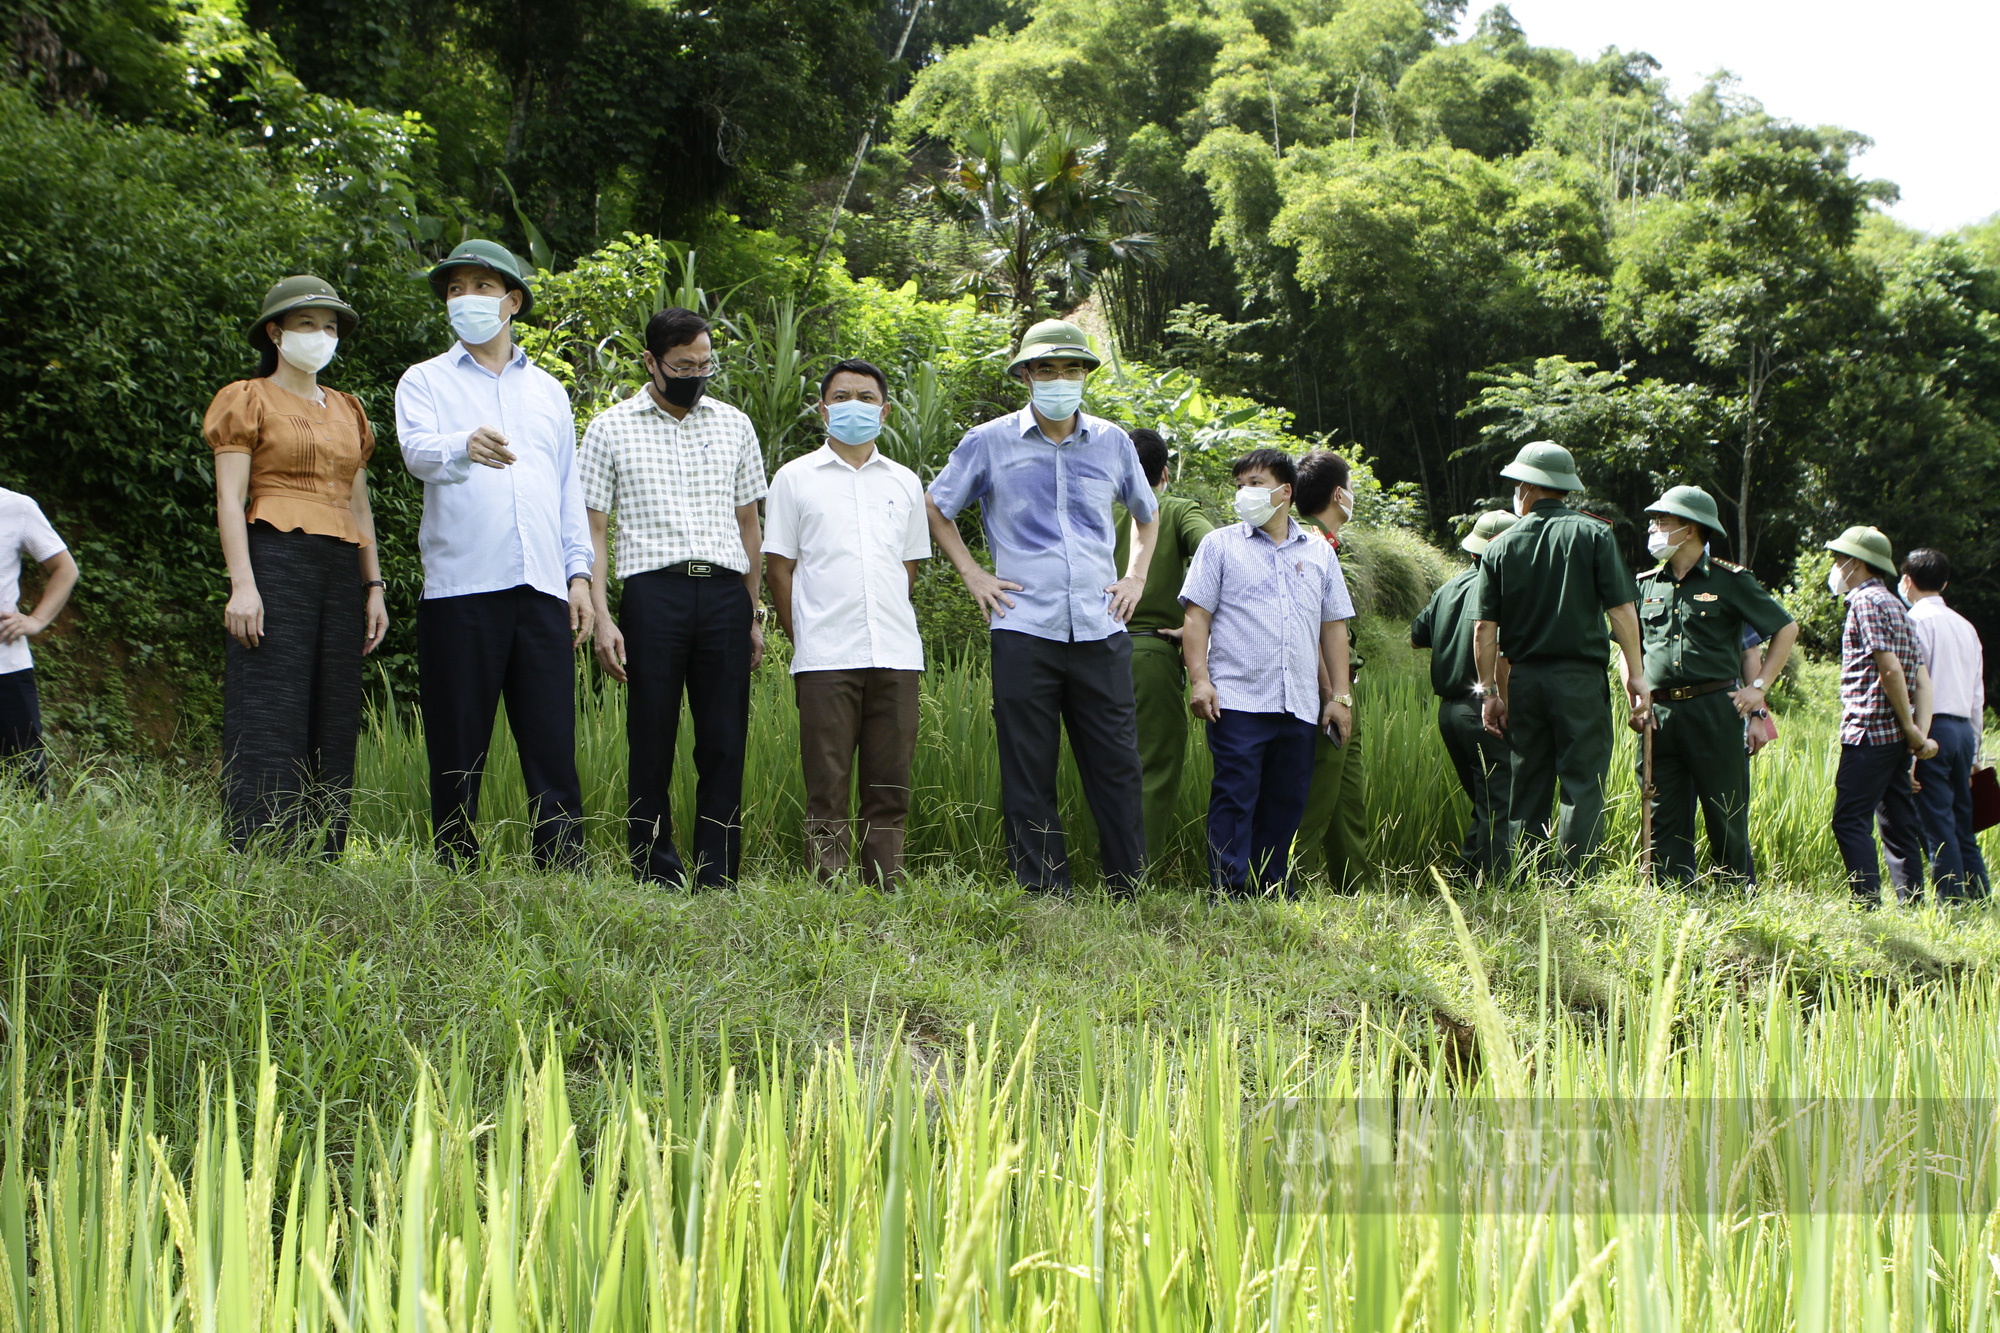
{"points": [[1885, 706]]}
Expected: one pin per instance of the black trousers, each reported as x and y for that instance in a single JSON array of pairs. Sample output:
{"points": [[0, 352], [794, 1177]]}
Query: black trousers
{"points": [[1873, 783], [291, 706], [21, 729], [1040, 687], [686, 634], [1484, 767], [472, 651]]}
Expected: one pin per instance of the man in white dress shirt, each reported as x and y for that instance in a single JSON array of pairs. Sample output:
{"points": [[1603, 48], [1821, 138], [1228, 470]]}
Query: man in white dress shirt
{"points": [[1958, 711], [845, 529], [507, 557]]}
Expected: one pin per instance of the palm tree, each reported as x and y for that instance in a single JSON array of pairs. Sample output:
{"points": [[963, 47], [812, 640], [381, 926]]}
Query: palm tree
{"points": [[1040, 196]]}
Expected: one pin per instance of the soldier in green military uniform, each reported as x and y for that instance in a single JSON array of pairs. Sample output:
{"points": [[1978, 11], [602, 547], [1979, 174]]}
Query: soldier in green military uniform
{"points": [[1445, 626], [1159, 681], [1547, 586], [1692, 613]]}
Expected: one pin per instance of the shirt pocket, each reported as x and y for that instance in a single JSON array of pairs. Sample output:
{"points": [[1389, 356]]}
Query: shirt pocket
{"points": [[1090, 500], [1654, 610], [884, 517]]}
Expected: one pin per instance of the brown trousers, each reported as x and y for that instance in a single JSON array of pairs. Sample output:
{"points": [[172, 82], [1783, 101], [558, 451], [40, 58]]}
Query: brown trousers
{"points": [[841, 713]]}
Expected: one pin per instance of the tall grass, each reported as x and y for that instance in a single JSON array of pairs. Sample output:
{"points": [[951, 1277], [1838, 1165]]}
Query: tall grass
{"points": [[1415, 810], [1711, 1161]]}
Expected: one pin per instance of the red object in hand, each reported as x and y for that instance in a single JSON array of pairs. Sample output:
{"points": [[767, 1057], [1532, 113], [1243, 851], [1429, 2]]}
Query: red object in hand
{"points": [[1759, 732]]}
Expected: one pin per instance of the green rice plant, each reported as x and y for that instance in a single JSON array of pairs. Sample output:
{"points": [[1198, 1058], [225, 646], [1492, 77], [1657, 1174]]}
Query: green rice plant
{"points": [[1710, 1158]]}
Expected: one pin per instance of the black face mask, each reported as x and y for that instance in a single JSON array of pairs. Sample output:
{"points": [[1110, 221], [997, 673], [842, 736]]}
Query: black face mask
{"points": [[682, 393]]}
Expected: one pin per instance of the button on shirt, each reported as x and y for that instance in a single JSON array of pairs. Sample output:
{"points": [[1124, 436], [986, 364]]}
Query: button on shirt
{"points": [[23, 531], [1876, 623], [1047, 511], [1957, 662], [488, 529], [676, 484], [1268, 600], [850, 530]]}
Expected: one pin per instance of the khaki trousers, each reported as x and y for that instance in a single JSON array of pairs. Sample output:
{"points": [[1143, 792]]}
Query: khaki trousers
{"points": [[873, 714]]}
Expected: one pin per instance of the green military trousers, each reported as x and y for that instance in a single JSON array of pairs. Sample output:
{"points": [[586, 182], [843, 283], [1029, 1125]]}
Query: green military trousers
{"points": [[1485, 772], [1334, 829], [1159, 694], [1559, 723], [1698, 754]]}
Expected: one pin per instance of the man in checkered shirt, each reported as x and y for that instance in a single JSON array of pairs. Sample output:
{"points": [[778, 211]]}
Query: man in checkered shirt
{"points": [[1885, 707], [683, 473]]}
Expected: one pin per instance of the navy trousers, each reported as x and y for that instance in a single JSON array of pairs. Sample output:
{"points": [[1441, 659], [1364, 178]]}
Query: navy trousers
{"points": [[1944, 803], [1873, 781], [1263, 772], [21, 729]]}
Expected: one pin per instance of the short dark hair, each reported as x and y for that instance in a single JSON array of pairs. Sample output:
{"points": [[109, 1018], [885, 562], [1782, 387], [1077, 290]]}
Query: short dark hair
{"points": [[676, 326], [1321, 473], [1927, 569], [854, 367], [1152, 450], [1274, 461]]}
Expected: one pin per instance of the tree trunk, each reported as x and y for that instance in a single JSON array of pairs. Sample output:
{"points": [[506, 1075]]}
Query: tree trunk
{"points": [[517, 116]]}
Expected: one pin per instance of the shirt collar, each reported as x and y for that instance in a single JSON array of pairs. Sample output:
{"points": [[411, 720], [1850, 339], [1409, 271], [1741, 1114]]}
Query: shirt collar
{"points": [[651, 404], [824, 456], [1293, 533], [1027, 425], [518, 359]]}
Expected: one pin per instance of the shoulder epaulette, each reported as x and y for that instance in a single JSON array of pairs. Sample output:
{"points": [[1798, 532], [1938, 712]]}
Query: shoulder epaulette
{"points": [[1587, 514], [1720, 563], [1654, 572]]}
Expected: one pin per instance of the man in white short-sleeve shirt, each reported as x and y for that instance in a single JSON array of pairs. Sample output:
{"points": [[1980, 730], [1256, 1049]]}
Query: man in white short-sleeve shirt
{"points": [[683, 472], [25, 531], [845, 527]]}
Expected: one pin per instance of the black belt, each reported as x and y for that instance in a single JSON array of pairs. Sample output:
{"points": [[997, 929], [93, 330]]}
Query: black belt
{"points": [[1683, 692], [1152, 633], [698, 569]]}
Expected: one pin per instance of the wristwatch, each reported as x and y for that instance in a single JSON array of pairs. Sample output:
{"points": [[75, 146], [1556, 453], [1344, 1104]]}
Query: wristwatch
{"points": [[1757, 684], [1344, 700], [760, 614], [375, 583]]}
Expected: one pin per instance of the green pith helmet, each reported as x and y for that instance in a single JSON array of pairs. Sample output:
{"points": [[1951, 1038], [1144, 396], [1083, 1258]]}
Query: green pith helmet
{"points": [[1053, 337], [486, 254], [1490, 525], [1868, 545], [1691, 503], [1545, 464], [300, 292]]}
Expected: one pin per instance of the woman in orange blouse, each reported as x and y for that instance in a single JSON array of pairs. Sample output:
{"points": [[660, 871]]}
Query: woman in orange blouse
{"points": [[305, 583]]}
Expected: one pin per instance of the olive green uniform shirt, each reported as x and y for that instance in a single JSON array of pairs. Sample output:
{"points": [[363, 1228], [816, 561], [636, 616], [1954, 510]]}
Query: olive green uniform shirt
{"points": [[1445, 627], [1547, 582], [1182, 526], [1691, 630]]}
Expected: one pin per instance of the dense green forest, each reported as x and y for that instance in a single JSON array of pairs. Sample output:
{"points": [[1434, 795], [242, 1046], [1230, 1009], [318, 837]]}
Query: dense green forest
{"points": [[1393, 225]]}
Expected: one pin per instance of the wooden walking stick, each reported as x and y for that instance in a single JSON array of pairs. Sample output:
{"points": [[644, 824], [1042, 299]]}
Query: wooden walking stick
{"points": [[1646, 804]]}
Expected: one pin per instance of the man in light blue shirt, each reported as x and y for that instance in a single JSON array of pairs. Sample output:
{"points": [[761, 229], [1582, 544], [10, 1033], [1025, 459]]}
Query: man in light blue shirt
{"points": [[507, 557], [1264, 604], [1045, 479]]}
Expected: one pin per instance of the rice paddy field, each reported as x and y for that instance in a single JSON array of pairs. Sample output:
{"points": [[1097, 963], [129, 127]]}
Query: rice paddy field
{"points": [[259, 1093]]}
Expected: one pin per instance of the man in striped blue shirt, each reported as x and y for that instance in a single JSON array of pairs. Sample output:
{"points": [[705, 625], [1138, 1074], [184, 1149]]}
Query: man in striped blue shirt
{"points": [[1264, 604]]}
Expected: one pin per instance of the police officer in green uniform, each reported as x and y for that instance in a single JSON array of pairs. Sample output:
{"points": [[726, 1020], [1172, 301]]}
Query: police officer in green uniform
{"points": [[1547, 586], [1479, 757], [1692, 614], [1159, 681]]}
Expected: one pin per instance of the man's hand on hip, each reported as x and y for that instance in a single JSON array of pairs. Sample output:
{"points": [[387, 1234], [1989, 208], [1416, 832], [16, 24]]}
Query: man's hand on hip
{"points": [[1125, 597], [990, 591]]}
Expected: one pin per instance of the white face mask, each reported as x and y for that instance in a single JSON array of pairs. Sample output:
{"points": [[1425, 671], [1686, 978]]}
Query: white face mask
{"points": [[1520, 508], [475, 319], [1057, 399], [1835, 584], [1661, 545], [1255, 505], [307, 351], [1345, 499]]}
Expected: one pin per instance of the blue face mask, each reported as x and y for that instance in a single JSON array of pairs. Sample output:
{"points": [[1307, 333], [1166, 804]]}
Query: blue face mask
{"points": [[475, 319], [852, 421], [1057, 399]]}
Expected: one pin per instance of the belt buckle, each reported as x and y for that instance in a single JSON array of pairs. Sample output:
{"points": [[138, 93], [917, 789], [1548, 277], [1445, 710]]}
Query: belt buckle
{"points": [[699, 569]]}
